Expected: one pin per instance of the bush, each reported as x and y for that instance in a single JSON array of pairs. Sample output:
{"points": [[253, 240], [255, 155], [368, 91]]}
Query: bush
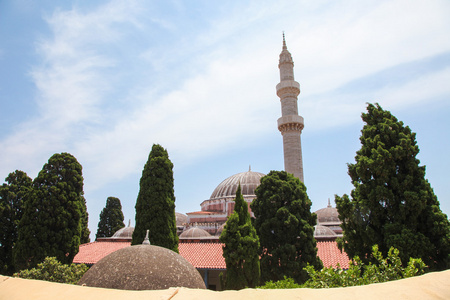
{"points": [[385, 269], [52, 270], [286, 283]]}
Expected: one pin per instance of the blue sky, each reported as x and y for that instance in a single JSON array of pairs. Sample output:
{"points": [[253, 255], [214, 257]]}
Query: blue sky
{"points": [[105, 80]]}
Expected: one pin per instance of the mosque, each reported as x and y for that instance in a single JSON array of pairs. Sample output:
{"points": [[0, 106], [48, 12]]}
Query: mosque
{"points": [[199, 231], [220, 205]]}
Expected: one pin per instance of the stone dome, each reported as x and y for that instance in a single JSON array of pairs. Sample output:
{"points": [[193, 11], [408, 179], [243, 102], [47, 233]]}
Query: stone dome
{"points": [[143, 267], [328, 215], [249, 181], [180, 219], [194, 233], [323, 232], [124, 233], [220, 229]]}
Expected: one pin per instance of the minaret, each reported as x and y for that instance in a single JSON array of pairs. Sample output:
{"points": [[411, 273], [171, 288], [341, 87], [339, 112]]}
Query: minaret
{"points": [[290, 124]]}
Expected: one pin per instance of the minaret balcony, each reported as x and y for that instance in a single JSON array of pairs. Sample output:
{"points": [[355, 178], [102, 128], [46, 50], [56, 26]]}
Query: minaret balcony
{"points": [[288, 87], [290, 122]]}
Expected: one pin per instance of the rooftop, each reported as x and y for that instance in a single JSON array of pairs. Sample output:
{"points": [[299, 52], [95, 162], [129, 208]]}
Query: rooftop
{"points": [[203, 255]]}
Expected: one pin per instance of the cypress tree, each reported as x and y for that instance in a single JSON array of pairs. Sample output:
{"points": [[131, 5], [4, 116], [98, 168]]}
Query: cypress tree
{"points": [[52, 219], [12, 197], [85, 232], [155, 205], [241, 247], [285, 226], [111, 218], [392, 204]]}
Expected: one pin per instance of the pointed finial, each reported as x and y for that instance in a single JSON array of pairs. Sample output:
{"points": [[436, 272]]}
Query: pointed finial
{"points": [[249, 168], [129, 222], [284, 42], [329, 204], [146, 240]]}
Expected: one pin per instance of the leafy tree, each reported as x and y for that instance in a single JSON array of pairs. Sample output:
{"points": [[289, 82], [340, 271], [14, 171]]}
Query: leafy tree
{"points": [[111, 218], [285, 226], [12, 196], [241, 247], [392, 204], [155, 205], [52, 220], [52, 270], [358, 273]]}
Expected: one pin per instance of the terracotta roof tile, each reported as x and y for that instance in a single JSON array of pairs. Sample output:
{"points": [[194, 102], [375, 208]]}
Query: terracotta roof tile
{"points": [[203, 255], [331, 256], [91, 253]]}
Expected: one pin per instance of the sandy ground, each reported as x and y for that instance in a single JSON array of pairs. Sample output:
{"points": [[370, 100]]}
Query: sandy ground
{"points": [[430, 286]]}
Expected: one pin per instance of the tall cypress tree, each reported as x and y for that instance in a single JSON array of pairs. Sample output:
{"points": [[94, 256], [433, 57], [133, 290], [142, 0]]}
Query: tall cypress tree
{"points": [[155, 205], [241, 247], [285, 226], [13, 194], [392, 204], [111, 218], [85, 232], [52, 220]]}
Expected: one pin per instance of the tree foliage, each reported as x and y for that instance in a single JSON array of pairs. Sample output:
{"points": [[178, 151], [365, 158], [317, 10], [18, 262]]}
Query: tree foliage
{"points": [[392, 204], [12, 196], [85, 232], [285, 226], [241, 247], [358, 273], [52, 270], [52, 222], [111, 218], [155, 205]]}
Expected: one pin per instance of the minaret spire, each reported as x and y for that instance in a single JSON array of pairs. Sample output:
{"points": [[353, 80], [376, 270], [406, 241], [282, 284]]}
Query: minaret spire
{"points": [[290, 124]]}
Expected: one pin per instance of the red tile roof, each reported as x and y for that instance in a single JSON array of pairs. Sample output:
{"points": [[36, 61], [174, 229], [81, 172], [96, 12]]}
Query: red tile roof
{"points": [[203, 255], [331, 256], [91, 253]]}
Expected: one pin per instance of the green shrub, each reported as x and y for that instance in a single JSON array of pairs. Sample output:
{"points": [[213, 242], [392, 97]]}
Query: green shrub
{"points": [[358, 273], [286, 283], [52, 270], [385, 269]]}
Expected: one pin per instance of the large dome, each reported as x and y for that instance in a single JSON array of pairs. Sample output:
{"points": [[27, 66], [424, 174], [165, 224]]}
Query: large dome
{"points": [[227, 188], [143, 267]]}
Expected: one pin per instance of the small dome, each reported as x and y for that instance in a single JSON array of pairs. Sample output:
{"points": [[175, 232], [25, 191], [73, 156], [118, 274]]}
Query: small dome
{"points": [[249, 182], [328, 215], [194, 233], [181, 219], [220, 229], [323, 231], [143, 267], [124, 233]]}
